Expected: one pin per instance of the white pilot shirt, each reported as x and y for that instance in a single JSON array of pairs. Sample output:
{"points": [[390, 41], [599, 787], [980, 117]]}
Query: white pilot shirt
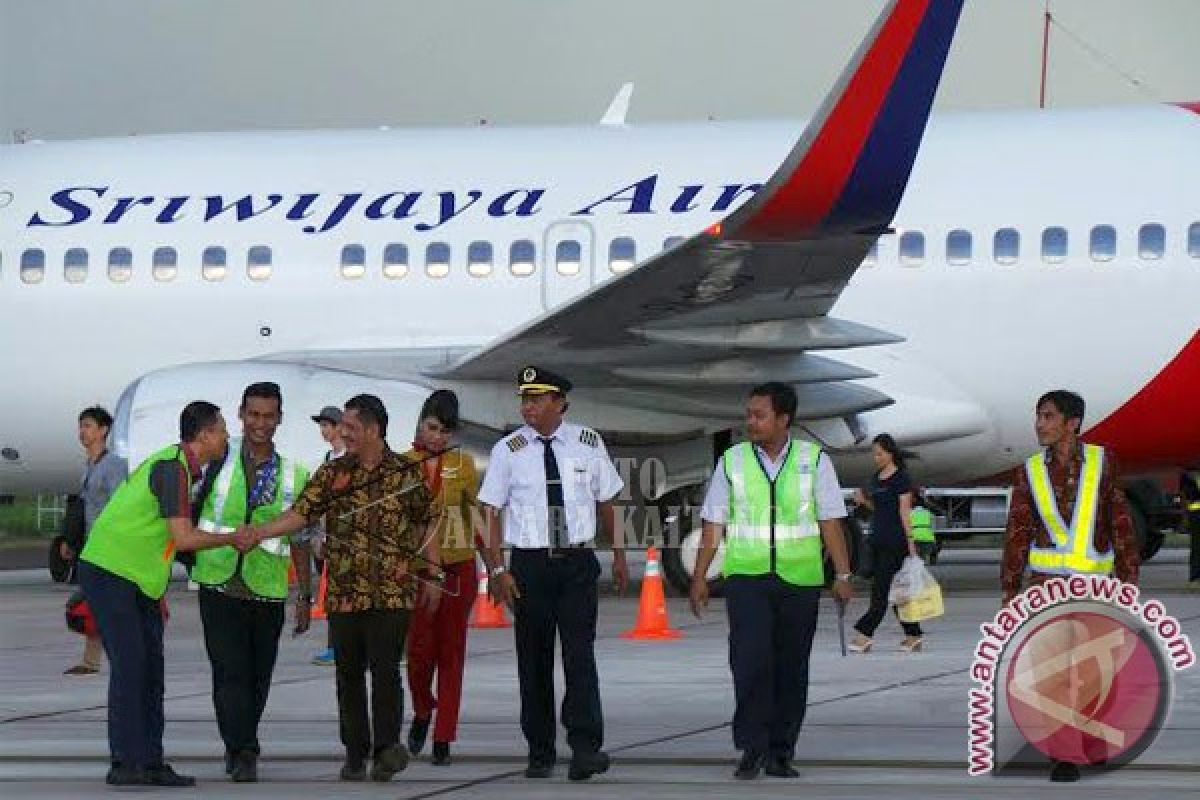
{"points": [[830, 503], [516, 482]]}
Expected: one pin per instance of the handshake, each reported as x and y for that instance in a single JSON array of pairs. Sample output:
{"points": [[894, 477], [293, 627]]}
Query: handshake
{"points": [[246, 538]]}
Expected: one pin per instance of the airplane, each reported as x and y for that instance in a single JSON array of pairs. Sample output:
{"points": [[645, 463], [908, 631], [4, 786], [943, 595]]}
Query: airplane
{"points": [[924, 276]]}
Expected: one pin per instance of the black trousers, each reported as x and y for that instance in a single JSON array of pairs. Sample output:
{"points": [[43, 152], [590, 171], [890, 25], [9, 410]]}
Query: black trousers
{"points": [[557, 594], [131, 627], [372, 640], [242, 640], [771, 627], [887, 562]]}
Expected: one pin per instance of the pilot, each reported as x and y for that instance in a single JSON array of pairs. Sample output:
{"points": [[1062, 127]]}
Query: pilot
{"points": [[543, 486], [775, 499]]}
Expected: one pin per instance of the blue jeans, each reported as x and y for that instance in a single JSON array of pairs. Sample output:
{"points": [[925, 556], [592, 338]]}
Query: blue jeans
{"points": [[131, 627]]}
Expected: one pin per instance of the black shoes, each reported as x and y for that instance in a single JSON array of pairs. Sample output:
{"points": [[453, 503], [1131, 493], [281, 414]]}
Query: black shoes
{"points": [[162, 776], [388, 762], [441, 754], [230, 762], [585, 765], [245, 767], [539, 769], [781, 767], [416, 735], [1064, 772], [353, 771], [749, 767]]}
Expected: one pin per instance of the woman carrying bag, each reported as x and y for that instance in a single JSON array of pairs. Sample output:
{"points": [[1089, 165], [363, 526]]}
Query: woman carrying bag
{"points": [[891, 541]]}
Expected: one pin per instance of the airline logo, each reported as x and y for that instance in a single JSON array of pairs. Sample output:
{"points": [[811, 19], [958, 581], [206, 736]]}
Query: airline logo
{"points": [[317, 212]]}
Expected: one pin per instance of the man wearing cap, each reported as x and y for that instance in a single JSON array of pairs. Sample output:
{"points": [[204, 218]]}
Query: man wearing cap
{"points": [[328, 419], [548, 478]]}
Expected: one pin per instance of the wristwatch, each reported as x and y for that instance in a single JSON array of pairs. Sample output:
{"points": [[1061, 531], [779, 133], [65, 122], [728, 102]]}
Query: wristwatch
{"points": [[845, 576], [497, 571]]}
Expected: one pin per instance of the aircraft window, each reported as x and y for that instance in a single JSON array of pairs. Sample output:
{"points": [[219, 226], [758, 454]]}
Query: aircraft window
{"points": [[33, 266], [912, 248], [958, 247], [568, 257], [437, 260], [164, 264], [479, 259], [395, 261], [672, 242], [1152, 241], [622, 254], [1194, 240], [120, 265], [354, 261], [75, 265], [258, 262], [522, 258], [212, 264], [1102, 245], [1006, 246], [1054, 245]]}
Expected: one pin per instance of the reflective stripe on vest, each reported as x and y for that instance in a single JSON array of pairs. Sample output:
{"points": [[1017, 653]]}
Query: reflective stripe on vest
{"points": [[277, 546], [748, 535], [1073, 550]]}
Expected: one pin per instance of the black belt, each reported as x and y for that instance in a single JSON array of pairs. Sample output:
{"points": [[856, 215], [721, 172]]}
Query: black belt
{"points": [[556, 552]]}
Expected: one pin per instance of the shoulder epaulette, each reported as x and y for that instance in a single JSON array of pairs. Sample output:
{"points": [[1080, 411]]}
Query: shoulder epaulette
{"points": [[516, 442], [589, 437]]}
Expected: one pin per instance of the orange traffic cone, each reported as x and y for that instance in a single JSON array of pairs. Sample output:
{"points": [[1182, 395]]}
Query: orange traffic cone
{"points": [[652, 613], [487, 613], [318, 609]]}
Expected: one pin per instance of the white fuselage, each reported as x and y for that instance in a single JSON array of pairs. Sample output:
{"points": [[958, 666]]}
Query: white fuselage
{"points": [[982, 339]]}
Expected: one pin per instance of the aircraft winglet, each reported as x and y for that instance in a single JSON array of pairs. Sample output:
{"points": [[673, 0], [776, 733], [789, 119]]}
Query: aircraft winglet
{"points": [[619, 107], [848, 170]]}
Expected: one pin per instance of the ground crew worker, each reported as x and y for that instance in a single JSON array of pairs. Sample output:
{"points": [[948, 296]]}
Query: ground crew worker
{"points": [[1066, 480], [774, 499], [377, 509], [1189, 495], [547, 479], [328, 420], [242, 597], [124, 568], [921, 520], [437, 641]]}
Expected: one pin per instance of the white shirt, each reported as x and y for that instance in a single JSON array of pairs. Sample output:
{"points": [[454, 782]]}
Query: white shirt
{"points": [[515, 481], [830, 503]]}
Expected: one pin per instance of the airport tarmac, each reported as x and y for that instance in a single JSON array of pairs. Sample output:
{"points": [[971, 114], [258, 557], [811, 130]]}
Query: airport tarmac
{"points": [[884, 724]]}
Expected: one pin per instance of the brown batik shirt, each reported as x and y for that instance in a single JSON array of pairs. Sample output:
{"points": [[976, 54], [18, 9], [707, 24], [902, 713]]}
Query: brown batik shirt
{"points": [[1113, 532], [375, 522]]}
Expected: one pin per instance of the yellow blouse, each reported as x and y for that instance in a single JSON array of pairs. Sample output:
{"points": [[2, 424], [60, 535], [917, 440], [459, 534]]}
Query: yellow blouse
{"points": [[456, 510]]}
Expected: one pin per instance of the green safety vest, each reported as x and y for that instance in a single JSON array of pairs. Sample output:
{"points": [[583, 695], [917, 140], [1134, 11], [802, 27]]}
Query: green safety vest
{"points": [[922, 525], [1073, 550], [265, 568], [780, 515], [130, 538]]}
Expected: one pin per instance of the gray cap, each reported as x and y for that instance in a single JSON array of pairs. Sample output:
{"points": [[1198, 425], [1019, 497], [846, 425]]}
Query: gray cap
{"points": [[329, 414]]}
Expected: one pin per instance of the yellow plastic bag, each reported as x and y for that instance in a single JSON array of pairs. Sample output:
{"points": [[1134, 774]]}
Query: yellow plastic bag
{"points": [[926, 605]]}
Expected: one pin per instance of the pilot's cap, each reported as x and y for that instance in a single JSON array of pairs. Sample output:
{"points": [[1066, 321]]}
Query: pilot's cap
{"points": [[536, 380]]}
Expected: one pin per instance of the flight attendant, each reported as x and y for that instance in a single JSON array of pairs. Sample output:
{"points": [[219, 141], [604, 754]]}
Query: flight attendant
{"points": [[437, 639]]}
